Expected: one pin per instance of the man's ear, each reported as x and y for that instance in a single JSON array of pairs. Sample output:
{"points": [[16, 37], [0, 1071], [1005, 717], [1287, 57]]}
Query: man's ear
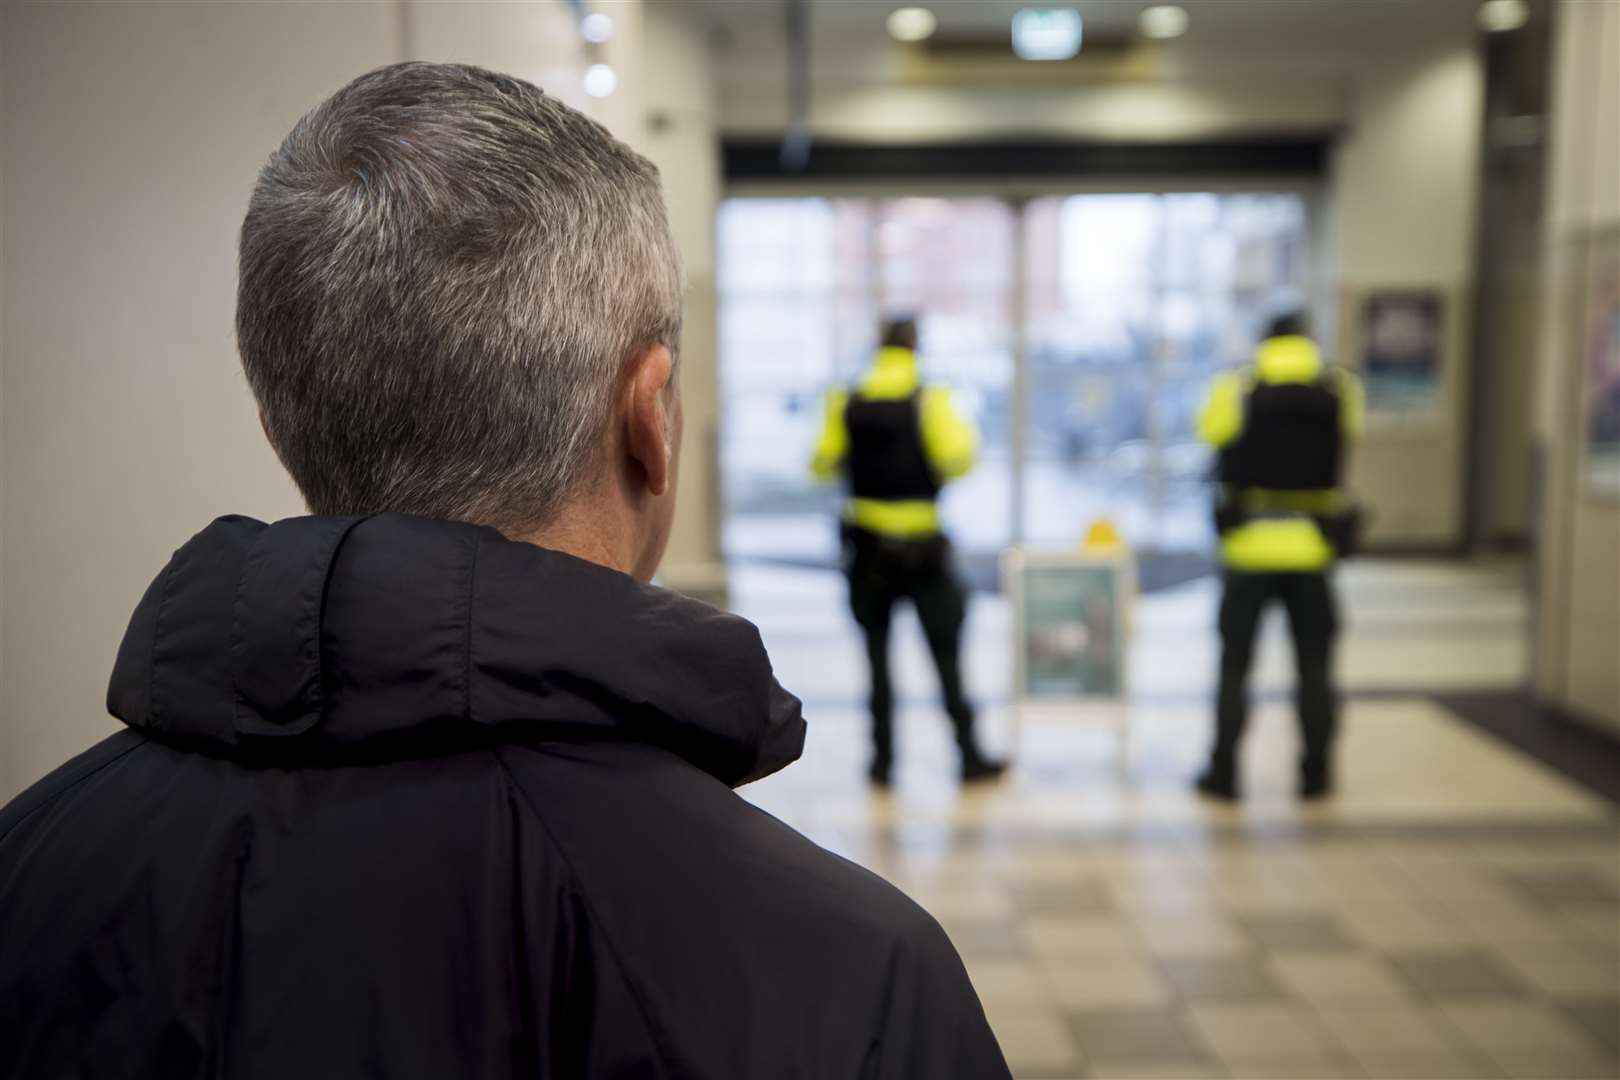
{"points": [[649, 416]]}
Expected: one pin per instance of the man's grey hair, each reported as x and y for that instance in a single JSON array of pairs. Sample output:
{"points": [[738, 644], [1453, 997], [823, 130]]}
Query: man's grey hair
{"points": [[443, 274]]}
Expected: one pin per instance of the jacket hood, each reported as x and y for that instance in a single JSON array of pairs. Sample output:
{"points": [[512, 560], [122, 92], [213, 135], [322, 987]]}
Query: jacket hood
{"points": [[316, 635]]}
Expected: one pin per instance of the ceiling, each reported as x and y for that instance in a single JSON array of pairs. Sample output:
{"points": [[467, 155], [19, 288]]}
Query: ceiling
{"points": [[1250, 65], [1343, 27]]}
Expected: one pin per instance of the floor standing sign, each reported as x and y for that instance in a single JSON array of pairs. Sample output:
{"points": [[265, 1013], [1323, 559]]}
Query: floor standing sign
{"points": [[1071, 626]]}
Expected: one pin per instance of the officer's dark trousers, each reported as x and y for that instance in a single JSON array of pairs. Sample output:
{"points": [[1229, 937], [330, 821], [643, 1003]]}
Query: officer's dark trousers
{"points": [[881, 573], [1308, 599]]}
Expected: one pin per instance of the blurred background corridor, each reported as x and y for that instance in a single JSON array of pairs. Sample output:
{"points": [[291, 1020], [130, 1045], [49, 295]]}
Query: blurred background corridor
{"points": [[1092, 209]]}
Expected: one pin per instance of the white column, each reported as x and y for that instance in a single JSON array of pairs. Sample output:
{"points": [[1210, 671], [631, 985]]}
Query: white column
{"points": [[1405, 182], [1578, 569], [679, 132]]}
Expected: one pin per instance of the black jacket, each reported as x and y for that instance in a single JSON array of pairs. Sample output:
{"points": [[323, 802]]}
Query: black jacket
{"points": [[401, 798]]}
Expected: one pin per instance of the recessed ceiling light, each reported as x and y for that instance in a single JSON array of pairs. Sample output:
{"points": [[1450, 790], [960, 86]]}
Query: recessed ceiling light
{"points": [[600, 80], [912, 24], [1498, 16], [1163, 21], [1046, 33], [596, 27]]}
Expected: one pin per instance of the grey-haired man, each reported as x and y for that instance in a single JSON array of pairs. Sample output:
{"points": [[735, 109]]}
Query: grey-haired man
{"points": [[431, 783]]}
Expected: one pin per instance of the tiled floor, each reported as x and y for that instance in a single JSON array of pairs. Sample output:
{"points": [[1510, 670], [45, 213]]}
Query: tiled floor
{"points": [[1454, 912]]}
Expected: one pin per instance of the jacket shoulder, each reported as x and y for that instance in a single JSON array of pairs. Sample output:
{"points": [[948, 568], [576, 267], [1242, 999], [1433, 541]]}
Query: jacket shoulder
{"points": [[717, 909], [66, 777]]}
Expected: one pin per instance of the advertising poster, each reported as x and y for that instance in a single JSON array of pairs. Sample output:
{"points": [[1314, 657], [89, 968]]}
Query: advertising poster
{"points": [[1402, 336], [1072, 634], [1601, 358]]}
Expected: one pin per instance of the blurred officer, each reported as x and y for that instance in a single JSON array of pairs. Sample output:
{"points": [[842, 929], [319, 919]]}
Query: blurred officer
{"points": [[1281, 426], [896, 442]]}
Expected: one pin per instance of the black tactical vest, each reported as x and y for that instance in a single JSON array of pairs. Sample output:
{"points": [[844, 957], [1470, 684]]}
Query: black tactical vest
{"points": [[1291, 440], [887, 459]]}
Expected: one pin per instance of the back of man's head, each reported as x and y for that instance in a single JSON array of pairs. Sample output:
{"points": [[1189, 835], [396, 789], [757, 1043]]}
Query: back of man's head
{"points": [[443, 274], [900, 333], [1288, 324]]}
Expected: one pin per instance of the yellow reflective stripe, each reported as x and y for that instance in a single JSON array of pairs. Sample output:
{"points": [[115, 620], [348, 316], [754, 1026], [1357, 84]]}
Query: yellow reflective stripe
{"points": [[1276, 545], [1319, 501], [903, 519]]}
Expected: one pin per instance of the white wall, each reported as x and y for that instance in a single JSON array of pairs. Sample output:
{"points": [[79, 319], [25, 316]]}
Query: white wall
{"points": [[679, 132], [132, 134], [1578, 640], [1405, 182]]}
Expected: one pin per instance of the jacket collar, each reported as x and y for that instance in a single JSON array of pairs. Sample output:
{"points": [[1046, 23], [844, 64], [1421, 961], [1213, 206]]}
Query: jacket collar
{"points": [[893, 374], [1290, 358], [317, 634]]}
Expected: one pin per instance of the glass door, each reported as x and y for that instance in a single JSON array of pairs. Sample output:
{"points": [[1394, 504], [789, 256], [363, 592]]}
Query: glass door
{"points": [[797, 314], [1079, 332], [1133, 301], [804, 286], [1091, 332]]}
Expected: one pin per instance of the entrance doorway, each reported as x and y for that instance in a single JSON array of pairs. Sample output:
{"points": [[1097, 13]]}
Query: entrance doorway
{"points": [[1078, 330]]}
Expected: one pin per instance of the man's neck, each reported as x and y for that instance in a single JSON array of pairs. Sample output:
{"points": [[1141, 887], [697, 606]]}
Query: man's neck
{"points": [[579, 532]]}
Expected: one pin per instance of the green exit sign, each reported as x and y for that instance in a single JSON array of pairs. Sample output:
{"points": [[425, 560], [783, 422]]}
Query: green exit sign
{"points": [[1046, 33]]}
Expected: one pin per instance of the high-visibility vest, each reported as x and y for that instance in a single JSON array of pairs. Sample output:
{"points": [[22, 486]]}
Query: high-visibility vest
{"points": [[887, 457], [1291, 438]]}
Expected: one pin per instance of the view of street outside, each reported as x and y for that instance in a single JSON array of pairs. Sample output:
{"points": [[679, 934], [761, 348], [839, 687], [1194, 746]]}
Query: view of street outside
{"points": [[1130, 303]]}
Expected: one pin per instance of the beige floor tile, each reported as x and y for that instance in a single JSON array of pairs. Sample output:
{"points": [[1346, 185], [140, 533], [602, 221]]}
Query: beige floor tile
{"points": [[1294, 1067], [1049, 868], [1326, 978], [1164, 899], [1009, 982], [1196, 932], [985, 939], [1564, 971], [1158, 883], [1136, 1070], [1250, 1031], [1034, 1040], [1420, 1067], [1291, 896], [1599, 927], [981, 900], [1049, 937], [1515, 1029], [1108, 982], [1530, 857], [1348, 875], [1553, 1065], [1386, 1031], [1402, 926], [1405, 905], [1484, 893]]}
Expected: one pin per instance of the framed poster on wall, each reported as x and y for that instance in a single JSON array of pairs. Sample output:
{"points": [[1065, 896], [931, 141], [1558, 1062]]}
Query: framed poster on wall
{"points": [[1402, 346], [1600, 361]]}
